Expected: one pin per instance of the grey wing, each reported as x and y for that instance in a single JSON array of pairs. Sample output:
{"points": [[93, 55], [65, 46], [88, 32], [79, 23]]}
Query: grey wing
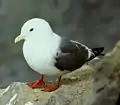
{"points": [[72, 55]]}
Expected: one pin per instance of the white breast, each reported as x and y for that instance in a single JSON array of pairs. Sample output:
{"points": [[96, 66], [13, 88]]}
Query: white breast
{"points": [[40, 54]]}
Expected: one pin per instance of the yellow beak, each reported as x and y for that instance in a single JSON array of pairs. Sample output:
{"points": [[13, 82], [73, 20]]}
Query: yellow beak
{"points": [[19, 38]]}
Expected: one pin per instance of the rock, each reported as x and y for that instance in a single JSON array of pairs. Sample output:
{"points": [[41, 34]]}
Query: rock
{"points": [[76, 89], [109, 69], [95, 83]]}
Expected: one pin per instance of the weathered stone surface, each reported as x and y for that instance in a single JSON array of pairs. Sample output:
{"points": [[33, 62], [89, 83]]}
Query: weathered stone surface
{"points": [[77, 88]]}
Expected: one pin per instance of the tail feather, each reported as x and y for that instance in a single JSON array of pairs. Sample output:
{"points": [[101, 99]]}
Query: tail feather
{"points": [[96, 52]]}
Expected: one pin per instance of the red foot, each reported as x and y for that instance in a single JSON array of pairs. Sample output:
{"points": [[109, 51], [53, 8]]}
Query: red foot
{"points": [[37, 84], [50, 88]]}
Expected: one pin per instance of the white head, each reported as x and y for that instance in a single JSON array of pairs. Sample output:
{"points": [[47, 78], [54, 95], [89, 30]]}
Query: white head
{"points": [[35, 27]]}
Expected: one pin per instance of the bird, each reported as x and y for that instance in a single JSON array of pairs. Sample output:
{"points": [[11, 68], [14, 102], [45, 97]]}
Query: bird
{"points": [[50, 54]]}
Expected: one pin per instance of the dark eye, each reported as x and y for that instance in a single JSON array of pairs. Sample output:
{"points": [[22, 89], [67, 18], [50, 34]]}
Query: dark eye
{"points": [[31, 29]]}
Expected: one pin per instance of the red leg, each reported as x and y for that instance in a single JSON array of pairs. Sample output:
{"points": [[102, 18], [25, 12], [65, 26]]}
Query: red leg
{"points": [[59, 80], [37, 84], [50, 88]]}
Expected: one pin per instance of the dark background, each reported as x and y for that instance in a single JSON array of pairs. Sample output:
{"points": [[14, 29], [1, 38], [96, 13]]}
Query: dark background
{"points": [[92, 22]]}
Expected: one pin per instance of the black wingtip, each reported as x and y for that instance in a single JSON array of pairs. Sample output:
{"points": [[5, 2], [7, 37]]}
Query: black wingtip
{"points": [[101, 49], [98, 51]]}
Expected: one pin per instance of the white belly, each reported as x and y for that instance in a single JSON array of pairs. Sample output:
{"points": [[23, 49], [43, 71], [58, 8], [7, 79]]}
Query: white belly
{"points": [[40, 57]]}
